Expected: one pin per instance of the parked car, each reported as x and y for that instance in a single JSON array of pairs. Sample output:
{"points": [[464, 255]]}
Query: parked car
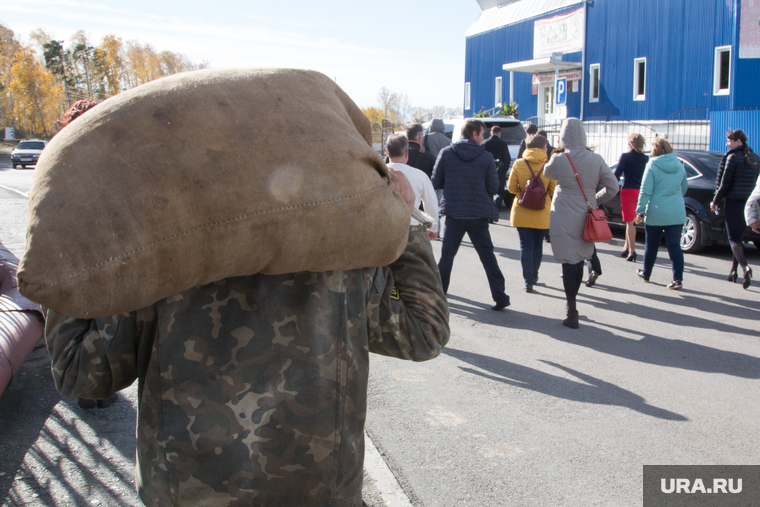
{"points": [[512, 131], [27, 152], [703, 227]]}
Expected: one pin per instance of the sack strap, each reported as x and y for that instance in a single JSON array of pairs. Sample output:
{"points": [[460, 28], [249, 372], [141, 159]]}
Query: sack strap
{"points": [[579, 180]]}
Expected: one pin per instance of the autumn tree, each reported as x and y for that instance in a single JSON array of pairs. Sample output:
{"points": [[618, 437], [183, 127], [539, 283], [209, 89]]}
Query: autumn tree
{"points": [[8, 47], [374, 114], [108, 61], [36, 96], [395, 106]]}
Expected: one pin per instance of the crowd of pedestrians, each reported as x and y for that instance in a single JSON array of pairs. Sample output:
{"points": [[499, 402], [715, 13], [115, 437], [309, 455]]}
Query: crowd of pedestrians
{"points": [[470, 178]]}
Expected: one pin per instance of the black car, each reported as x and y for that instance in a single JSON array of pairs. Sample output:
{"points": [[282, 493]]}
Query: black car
{"points": [[703, 227]]}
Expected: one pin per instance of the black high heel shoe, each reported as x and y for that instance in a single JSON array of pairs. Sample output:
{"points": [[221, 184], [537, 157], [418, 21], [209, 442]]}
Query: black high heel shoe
{"points": [[747, 277], [732, 276], [624, 253], [632, 257]]}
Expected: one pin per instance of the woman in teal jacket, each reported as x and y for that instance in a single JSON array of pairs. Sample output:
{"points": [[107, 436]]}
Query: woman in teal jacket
{"points": [[662, 208]]}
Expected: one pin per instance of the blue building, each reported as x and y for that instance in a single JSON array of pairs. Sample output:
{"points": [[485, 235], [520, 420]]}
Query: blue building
{"points": [[643, 60]]}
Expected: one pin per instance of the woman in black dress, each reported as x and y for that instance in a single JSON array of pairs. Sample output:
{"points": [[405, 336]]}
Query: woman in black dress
{"points": [[737, 175]]}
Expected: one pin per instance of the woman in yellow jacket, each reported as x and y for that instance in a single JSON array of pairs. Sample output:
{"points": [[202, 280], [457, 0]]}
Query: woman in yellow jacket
{"points": [[532, 224]]}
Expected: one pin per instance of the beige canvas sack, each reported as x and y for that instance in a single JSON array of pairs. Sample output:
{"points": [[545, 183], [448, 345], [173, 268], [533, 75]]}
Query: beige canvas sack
{"points": [[202, 176]]}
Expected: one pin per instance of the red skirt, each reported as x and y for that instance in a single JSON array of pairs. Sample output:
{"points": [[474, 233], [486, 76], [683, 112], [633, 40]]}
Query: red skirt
{"points": [[629, 198]]}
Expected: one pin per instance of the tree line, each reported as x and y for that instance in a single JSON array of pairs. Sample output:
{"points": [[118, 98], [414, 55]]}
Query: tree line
{"points": [[39, 81], [395, 107]]}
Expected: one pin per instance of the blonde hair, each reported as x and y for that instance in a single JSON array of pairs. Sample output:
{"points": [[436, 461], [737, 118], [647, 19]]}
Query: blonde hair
{"points": [[637, 142], [661, 146]]}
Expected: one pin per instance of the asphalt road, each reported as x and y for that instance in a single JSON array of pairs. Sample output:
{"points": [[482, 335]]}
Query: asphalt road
{"points": [[522, 411], [518, 411]]}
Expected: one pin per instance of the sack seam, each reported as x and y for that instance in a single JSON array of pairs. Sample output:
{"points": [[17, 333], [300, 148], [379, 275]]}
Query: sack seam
{"points": [[205, 226]]}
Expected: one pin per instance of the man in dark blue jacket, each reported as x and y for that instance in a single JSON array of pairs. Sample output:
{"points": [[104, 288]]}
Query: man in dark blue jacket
{"points": [[466, 173]]}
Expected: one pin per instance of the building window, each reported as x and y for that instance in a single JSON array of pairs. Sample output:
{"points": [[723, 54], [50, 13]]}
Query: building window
{"points": [[593, 85], [497, 95], [722, 71], [467, 95], [639, 78]]}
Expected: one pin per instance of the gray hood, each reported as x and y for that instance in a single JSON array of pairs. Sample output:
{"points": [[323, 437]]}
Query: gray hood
{"points": [[573, 136], [437, 126]]}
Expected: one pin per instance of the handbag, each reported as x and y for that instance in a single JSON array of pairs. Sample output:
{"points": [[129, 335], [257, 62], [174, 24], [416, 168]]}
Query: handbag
{"points": [[596, 229], [534, 194]]}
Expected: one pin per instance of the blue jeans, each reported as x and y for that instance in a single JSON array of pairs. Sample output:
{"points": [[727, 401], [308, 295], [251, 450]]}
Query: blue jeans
{"points": [[477, 230], [672, 240], [531, 252]]}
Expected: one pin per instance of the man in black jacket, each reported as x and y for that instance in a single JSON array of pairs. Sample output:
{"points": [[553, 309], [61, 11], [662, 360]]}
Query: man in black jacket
{"points": [[500, 151], [419, 158]]}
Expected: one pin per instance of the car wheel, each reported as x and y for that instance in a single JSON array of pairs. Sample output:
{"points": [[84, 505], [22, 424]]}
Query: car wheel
{"points": [[23, 166], [756, 242], [691, 236]]}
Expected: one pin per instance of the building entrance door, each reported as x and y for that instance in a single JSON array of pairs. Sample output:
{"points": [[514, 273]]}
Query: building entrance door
{"points": [[546, 103]]}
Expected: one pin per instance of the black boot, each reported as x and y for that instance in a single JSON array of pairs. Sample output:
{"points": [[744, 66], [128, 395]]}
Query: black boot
{"points": [[572, 317]]}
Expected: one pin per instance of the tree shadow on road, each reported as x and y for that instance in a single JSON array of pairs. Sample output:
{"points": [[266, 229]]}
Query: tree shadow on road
{"points": [[587, 390], [55, 453]]}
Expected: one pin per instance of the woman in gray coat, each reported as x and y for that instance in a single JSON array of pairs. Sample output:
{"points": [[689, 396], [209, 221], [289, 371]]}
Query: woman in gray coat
{"points": [[569, 207]]}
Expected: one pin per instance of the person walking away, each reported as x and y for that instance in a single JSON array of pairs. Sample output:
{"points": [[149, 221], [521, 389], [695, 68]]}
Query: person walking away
{"points": [[436, 138], [549, 147], [569, 207], [398, 150], [434, 141], [737, 175], [531, 224], [419, 158], [662, 208], [500, 151], [531, 130], [631, 168], [466, 173]]}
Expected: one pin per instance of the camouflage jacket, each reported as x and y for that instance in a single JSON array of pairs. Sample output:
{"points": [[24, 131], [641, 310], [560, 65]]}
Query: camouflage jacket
{"points": [[253, 390]]}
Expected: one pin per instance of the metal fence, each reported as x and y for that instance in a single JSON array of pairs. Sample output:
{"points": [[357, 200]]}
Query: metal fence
{"points": [[609, 138], [689, 129], [380, 133], [686, 130]]}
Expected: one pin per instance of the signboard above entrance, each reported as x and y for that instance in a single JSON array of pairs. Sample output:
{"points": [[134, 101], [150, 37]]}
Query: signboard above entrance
{"points": [[547, 77], [563, 33]]}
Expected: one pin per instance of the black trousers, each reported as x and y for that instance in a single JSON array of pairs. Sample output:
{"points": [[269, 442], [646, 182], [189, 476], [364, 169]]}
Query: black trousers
{"points": [[572, 277]]}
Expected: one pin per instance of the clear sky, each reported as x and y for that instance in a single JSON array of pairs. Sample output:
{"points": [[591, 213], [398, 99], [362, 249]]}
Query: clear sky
{"points": [[415, 47]]}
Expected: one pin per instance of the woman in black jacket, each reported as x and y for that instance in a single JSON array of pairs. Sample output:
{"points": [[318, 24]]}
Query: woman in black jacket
{"points": [[631, 168], [737, 175]]}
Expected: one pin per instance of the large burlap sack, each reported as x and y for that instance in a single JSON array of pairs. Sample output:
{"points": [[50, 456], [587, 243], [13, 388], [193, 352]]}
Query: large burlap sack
{"points": [[202, 176]]}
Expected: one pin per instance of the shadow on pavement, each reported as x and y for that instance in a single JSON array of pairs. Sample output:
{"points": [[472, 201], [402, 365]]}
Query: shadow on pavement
{"points": [[55, 453], [612, 340], [587, 390]]}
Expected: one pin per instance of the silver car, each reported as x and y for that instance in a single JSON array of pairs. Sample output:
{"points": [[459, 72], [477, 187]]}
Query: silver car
{"points": [[27, 152]]}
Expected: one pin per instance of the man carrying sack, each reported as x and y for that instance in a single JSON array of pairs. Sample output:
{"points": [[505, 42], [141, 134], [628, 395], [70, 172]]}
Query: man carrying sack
{"points": [[253, 387]]}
